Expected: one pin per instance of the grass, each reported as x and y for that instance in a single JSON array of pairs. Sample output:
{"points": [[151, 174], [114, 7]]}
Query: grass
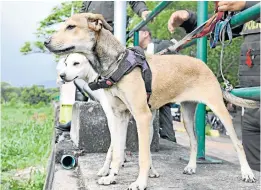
{"points": [[26, 133]]}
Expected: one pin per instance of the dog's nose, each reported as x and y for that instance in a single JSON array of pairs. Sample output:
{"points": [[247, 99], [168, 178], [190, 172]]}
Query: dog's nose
{"points": [[62, 75], [46, 42]]}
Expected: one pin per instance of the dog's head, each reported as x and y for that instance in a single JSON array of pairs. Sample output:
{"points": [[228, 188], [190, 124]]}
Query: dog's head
{"points": [[76, 66], [78, 34]]}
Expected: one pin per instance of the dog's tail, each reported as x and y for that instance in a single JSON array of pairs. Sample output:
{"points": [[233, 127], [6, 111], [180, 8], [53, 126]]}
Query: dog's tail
{"points": [[240, 101]]}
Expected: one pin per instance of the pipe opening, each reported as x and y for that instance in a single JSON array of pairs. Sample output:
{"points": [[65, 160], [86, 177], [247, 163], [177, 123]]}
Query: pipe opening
{"points": [[68, 161]]}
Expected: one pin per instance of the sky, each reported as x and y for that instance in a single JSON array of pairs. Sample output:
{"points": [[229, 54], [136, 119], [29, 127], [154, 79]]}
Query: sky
{"points": [[19, 20]]}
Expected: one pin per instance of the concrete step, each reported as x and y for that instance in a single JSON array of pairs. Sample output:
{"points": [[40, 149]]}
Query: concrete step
{"points": [[67, 179], [168, 164]]}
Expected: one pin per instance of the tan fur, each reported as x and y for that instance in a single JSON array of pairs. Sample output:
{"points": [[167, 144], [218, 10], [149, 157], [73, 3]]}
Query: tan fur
{"points": [[175, 78]]}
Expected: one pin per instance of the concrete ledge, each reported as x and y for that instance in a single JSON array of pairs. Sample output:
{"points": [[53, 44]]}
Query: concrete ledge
{"points": [[90, 132], [168, 164], [67, 179]]}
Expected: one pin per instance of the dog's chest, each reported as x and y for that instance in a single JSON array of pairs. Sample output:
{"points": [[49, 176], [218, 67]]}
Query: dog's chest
{"points": [[116, 98]]}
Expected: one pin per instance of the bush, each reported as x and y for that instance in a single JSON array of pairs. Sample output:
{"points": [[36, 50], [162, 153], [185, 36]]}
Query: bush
{"points": [[40, 104], [13, 102]]}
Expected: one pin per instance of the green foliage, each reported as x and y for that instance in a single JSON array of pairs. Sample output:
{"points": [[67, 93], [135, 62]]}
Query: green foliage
{"points": [[26, 133], [9, 92], [58, 14], [40, 45], [28, 95], [35, 182], [34, 95], [26, 48]]}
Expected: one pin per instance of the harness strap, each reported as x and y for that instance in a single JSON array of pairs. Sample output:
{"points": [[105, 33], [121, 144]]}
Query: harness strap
{"points": [[132, 59]]}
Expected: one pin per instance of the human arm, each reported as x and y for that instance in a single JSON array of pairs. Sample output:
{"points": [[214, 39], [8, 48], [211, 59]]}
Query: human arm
{"points": [[84, 6], [188, 19], [140, 8]]}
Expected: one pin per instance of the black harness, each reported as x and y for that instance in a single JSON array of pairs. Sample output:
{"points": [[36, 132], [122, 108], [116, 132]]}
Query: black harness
{"points": [[132, 58]]}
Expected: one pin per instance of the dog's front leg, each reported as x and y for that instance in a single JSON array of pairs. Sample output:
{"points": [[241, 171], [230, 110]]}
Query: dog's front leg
{"points": [[143, 120], [118, 141], [104, 171]]}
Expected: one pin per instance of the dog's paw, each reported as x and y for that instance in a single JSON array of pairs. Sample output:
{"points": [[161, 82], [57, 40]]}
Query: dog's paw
{"points": [[248, 176], [153, 173], [104, 171], [137, 185], [107, 180], [189, 170]]}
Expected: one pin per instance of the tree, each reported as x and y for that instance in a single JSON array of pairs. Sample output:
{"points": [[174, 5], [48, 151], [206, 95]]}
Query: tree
{"points": [[35, 95], [9, 92], [5, 88]]}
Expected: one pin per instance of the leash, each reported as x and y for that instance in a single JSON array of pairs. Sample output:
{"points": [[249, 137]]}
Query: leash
{"points": [[219, 22], [221, 29], [202, 30], [228, 86]]}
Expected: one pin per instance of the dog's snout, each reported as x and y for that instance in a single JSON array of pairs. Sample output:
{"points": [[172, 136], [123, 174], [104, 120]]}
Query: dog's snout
{"points": [[46, 42], [62, 75]]}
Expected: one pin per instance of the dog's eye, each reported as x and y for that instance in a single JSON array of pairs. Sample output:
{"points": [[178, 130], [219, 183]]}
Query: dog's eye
{"points": [[76, 63], [70, 27]]}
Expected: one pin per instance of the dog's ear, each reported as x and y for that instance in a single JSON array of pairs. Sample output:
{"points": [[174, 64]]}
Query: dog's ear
{"points": [[96, 22]]}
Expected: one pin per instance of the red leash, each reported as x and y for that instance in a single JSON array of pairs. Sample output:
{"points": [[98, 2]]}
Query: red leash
{"points": [[199, 32], [209, 26]]}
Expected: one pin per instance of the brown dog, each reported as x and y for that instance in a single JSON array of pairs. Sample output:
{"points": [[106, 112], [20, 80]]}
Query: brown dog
{"points": [[175, 78]]}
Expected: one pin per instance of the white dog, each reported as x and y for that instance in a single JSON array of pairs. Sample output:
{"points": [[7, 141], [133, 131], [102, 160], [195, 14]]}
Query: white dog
{"points": [[78, 67]]}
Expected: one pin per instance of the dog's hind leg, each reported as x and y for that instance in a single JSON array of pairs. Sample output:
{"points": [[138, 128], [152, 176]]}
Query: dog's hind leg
{"points": [[220, 110], [153, 172], [188, 113], [118, 134]]}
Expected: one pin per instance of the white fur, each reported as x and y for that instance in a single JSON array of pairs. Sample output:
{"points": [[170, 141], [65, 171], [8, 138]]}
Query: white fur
{"points": [[117, 123]]}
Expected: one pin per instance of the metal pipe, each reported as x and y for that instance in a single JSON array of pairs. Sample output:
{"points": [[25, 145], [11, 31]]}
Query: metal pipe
{"points": [[245, 16], [202, 8], [136, 38], [68, 161], [160, 7], [251, 93], [120, 16]]}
